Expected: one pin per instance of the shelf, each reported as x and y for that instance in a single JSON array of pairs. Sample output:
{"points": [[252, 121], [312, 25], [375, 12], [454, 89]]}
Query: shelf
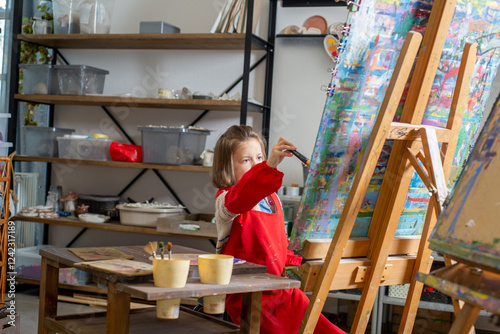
{"points": [[104, 163], [84, 288], [143, 321], [300, 36], [137, 102], [134, 102], [205, 41], [109, 226], [290, 199], [425, 305]]}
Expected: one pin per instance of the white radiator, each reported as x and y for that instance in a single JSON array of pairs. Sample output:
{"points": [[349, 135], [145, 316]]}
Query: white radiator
{"points": [[27, 234]]}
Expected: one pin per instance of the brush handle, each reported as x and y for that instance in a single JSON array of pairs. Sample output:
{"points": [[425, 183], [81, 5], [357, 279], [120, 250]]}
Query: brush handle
{"points": [[302, 158]]}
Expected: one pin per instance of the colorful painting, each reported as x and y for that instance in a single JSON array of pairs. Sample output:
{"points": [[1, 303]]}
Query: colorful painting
{"points": [[468, 228], [375, 38]]}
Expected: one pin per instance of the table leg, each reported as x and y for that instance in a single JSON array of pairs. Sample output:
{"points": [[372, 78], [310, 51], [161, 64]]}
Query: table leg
{"points": [[118, 311], [251, 305], [49, 281], [465, 319]]}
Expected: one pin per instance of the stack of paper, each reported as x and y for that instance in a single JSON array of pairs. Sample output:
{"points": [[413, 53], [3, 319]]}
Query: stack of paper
{"points": [[233, 17]]}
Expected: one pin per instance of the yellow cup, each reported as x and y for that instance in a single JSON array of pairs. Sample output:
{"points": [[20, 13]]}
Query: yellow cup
{"points": [[215, 268], [168, 308], [214, 304], [170, 273]]}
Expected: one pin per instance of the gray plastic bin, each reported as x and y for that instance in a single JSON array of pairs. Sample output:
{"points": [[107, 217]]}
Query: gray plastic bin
{"points": [[41, 141], [84, 148], [39, 79], [172, 145], [80, 79]]}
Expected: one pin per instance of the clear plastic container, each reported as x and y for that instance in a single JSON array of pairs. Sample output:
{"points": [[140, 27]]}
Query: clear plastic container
{"points": [[39, 79], [95, 16], [80, 79], [173, 145], [41, 141], [83, 16], [4, 122], [4, 149], [66, 16], [84, 148]]}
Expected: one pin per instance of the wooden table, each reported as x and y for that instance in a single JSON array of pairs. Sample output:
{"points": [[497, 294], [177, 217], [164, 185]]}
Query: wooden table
{"points": [[248, 278]]}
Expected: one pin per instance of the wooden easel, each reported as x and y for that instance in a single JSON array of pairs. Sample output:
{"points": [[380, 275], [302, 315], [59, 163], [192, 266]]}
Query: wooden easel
{"points": [[477, 282], [410, 137]]}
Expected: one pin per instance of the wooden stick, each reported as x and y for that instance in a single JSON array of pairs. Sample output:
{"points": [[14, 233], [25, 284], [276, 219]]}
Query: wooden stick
{"points": [[361, 180], [465, 320], [420, 171]]}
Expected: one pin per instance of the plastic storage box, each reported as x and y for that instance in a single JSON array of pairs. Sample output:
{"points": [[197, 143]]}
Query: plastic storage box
{"points": [[146, 216], [83, 16], [41, 141], [66, 16], [78, 147], [4, 122], [39, 79], [80, 79], [28, 265], [4, 149], [157, 27], [173, 145]]}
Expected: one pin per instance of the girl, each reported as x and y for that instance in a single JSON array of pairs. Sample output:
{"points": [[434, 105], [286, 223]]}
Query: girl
{"points": [[250, 223]]}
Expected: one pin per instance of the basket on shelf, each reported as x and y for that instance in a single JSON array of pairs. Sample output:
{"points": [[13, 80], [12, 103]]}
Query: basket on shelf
{"points": [[104, 205]]}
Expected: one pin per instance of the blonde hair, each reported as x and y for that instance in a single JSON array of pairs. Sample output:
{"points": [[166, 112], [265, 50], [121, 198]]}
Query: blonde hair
{"points": [[222, 174]]}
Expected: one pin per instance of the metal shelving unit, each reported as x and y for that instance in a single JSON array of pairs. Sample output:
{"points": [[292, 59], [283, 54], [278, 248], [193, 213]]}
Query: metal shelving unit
{"points": [[246, 42]]}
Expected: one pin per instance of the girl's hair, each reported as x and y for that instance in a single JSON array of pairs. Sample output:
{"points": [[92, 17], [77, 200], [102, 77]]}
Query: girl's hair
{"points": [[222, 170]]}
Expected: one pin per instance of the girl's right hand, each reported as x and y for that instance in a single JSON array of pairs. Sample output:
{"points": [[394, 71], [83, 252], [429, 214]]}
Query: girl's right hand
{"points": [[279, 151]]}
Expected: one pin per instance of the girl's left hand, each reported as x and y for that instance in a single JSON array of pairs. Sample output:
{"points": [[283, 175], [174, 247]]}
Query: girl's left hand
{"points": [[279, 151]]}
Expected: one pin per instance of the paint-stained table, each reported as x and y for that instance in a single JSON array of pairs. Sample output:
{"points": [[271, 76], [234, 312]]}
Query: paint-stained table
{"points": [[248, 278]]}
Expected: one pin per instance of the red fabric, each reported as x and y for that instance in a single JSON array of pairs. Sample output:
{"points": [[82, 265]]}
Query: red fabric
{"points": [[260, 237]]}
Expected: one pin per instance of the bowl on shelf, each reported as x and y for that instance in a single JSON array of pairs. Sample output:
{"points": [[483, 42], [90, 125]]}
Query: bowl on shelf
{"points": [[146, 216]]}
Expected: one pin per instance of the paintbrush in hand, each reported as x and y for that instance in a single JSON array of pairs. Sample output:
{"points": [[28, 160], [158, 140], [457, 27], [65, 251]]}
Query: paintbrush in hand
{"points": [[169, 247], [151, 248]]}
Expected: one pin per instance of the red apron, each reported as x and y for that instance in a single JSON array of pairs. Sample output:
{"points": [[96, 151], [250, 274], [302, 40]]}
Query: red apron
{"points": [[260, 237]]}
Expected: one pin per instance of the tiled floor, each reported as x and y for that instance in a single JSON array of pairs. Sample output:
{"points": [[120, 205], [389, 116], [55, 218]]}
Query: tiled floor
{"points": [[27, 306]]}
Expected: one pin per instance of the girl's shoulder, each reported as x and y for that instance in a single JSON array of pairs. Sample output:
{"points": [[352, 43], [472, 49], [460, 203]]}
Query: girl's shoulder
{"points": [[221, 190]]}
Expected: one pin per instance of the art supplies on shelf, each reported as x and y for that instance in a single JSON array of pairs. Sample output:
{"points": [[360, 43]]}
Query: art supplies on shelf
{"points": [[233, 16]]}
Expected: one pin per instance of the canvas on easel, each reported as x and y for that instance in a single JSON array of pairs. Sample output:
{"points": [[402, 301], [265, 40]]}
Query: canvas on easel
{"points": [[467, 231]]}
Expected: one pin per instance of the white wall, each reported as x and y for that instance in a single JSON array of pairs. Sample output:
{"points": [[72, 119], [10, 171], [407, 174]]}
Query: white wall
{"points": [[301, 68]]}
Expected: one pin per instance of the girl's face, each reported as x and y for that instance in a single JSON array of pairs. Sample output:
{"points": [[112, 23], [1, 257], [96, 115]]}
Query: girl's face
{"points": [[248, 154]]}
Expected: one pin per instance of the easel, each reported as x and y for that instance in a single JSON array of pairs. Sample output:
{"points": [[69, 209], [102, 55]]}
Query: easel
{"points": [[410, 136], [467, 232], [460, 277]]}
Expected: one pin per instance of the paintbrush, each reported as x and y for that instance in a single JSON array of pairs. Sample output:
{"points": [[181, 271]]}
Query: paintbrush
{"points": [[302, 158], [162, 249], [151, 248], [169, 248]]}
